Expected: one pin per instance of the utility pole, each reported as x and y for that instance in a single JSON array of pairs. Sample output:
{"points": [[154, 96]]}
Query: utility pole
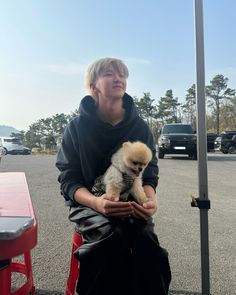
{"points": [[202, 202]]}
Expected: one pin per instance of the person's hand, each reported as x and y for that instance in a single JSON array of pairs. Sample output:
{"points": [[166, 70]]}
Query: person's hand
{"points": [[145, 211], [109, 205]]}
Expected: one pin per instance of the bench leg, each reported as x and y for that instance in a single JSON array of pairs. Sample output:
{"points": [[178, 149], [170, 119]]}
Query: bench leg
{"points": [[73, 276], [74, 265], [5, 277], [7, 267]]}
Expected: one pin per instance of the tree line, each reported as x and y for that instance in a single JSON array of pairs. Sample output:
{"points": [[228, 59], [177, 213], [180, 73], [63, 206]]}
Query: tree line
{"points": [[221, 114]]}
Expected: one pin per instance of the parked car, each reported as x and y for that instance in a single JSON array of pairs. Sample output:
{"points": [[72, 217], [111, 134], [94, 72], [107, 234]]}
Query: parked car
{"points": [[211, 141], [217, 143], [2, 151], [232, 148], [228, 142], [177, 138], [1, 154], [26, 151], [14, 146], [11, 145]]}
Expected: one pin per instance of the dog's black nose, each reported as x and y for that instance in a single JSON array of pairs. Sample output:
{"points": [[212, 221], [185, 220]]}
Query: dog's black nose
{"points": [[140, 169]]}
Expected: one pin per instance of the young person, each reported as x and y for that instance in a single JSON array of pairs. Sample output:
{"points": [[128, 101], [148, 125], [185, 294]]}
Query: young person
{"points": [[121, 253]]}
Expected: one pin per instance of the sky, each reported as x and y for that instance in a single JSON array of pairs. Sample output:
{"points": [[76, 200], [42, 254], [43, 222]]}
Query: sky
{"points": [[46, 45]]}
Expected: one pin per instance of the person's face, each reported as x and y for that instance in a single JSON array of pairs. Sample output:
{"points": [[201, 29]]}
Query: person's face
{"points": [[110, 84]]}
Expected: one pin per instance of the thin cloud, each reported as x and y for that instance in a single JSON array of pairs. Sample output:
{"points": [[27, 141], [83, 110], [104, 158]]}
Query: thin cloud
{"points": [[67, 69], [77, 69]]}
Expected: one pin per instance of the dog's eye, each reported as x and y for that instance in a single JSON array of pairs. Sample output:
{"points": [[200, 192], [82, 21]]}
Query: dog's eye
{"points": [[135, 163]]}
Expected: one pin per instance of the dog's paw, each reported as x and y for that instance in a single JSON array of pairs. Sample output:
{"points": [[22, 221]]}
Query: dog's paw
{"points": [[112, 197], [141, 199]]}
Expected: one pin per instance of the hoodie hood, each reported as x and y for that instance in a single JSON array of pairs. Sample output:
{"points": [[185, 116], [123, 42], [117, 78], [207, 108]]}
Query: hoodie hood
{"points": [[88, 109]]}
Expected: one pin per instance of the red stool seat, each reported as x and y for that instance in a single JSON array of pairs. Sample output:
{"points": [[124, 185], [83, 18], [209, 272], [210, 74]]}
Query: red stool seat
{"points": [[74, 265], [18, 232]]}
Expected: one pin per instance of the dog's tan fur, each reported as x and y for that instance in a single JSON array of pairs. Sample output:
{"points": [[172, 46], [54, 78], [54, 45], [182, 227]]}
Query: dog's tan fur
{"points": [[131, 159]]}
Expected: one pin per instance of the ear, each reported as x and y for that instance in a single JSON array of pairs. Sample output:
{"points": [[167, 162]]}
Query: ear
{"points": [[126, 144], [93, 87]]}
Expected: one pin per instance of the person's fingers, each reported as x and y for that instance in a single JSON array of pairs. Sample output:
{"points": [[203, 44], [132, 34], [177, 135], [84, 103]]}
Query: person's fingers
{"points": [[117, 208], [140, 215], [120, 214], [142, 212], [110, 197], [138, 207], [149, 205], [127, 210], [111, 204]]}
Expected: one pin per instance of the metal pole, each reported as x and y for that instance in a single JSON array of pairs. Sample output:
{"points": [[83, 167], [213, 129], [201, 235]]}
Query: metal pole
{"points": [[203, 202]]}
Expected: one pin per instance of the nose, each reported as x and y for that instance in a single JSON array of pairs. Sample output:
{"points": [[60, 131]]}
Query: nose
{"points": [[140, 169], [117, 77]]}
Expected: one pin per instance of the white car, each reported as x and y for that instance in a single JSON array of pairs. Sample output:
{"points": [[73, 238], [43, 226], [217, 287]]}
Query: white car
{"points": [[11, 145], [2, 151]]}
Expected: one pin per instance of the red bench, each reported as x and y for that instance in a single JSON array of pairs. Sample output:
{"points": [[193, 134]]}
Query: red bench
{"points": [[18, 232], [74, 265]]}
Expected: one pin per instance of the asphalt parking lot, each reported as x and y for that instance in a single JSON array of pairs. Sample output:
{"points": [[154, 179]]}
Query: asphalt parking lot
{"points": [[177, 223]]}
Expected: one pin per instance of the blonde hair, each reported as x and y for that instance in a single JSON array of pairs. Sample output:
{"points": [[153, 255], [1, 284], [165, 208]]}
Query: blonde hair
{"points": [[95, 69]]}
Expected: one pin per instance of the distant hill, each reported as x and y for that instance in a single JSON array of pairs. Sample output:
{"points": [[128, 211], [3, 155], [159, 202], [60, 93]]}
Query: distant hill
{"points": [[7, 130]]}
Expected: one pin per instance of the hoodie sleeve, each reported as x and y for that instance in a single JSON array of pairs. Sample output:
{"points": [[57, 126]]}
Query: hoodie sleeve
{"points": [[69, 164], [150, 175]]}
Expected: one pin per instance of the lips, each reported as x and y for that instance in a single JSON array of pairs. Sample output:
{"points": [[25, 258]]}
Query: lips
{"points": [[118, 87]]}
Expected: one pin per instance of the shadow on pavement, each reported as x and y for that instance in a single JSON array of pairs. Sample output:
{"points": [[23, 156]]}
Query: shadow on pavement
{"points": [[172, 292], [222, 158], [179, 157], [210, 157], [47, 292], [182, 292]]}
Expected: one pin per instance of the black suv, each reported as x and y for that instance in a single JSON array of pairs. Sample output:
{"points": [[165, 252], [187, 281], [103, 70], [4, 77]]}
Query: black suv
{"points": [[228, 142], [177, 138]]}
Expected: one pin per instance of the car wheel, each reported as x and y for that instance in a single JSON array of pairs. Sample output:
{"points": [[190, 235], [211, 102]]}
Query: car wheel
{"points": [[160, 154], [193, 156], [232, 150], [225, 152], [4, 152]]}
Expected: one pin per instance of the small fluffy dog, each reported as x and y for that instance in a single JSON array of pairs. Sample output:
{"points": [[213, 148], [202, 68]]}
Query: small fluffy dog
{"points": [[124, 176]]}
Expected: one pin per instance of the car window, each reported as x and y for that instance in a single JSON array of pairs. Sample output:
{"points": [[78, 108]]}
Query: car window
{"points": [[177, 129], [234, 137], [13, 140]]}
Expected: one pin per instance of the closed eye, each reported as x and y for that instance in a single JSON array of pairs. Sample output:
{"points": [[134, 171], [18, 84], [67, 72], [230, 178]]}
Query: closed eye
{"points": [[109, 74]]}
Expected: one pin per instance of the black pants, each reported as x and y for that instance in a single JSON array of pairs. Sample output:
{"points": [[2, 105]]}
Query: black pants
{"points": [[119, 256]]}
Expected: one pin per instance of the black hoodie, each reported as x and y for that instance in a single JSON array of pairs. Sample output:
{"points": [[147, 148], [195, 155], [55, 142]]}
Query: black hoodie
{"points": [[88, 144]]}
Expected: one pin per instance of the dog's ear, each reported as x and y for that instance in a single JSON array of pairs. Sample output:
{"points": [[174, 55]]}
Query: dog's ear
{"points": [[126, 144]]}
